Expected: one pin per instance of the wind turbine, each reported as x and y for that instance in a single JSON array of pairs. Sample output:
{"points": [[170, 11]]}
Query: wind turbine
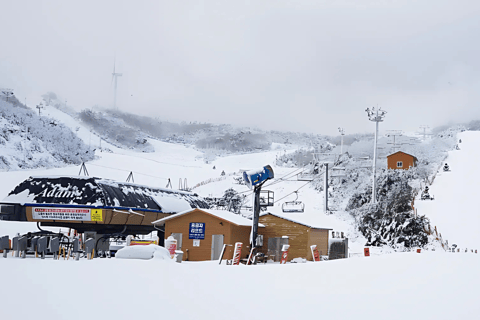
{"points": [[115, 75]]}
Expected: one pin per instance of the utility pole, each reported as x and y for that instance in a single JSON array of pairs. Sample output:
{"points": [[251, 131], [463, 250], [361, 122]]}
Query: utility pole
{"points": [[375, 115], [8, 93], [394, 134], [342, 133], [424, 128], [39, 107]]}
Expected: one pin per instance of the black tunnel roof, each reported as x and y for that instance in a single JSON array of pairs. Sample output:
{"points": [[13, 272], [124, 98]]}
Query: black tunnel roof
{"points": [[93, 191]]}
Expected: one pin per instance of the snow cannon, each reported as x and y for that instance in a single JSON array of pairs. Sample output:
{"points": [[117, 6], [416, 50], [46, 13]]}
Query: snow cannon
{"points": [[254, 178]]}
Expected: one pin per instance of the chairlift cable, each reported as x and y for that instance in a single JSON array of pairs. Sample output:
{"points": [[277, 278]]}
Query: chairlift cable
{"points": [[143, 174]]}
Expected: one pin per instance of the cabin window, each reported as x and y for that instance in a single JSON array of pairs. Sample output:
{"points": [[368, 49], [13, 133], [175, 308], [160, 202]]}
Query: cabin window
{"points": [[399, 164]]}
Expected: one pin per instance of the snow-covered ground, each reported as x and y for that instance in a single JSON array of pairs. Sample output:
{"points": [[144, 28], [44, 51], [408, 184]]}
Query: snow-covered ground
{"points": [[455, 210], [430, 285]]}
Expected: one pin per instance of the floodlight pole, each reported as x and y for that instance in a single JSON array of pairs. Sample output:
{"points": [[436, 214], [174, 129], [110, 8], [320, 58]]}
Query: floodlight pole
{"points": [[326, 188], [375, 115]]}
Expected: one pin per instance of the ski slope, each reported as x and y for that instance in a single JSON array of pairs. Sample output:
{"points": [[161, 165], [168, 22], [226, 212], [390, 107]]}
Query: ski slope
{"points": [[455, 211]]}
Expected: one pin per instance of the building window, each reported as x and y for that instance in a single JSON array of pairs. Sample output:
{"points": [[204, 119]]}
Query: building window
{"points": [[399, 164]]}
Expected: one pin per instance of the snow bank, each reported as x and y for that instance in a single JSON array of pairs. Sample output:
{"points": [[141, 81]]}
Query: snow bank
{"points": [[144, 252]]}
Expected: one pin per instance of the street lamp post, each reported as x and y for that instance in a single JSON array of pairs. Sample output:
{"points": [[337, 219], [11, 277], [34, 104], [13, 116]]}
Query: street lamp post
{"points": [[375, 115]]}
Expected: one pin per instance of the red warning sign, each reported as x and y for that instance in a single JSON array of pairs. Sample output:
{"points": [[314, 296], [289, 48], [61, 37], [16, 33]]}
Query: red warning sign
{"points": [[284, 258], [237, 253], [367, 252], [315, 253]]}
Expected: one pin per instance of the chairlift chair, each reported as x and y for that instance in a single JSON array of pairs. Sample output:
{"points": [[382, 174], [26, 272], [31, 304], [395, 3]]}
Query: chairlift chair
{"points": [[293, 206]]}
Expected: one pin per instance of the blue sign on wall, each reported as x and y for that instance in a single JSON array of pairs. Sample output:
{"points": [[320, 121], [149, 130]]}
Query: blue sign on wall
{"points": [[197, 230]]}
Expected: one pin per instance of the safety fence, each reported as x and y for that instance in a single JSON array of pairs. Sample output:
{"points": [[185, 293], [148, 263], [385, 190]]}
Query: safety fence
{"points": [[223, 177]]}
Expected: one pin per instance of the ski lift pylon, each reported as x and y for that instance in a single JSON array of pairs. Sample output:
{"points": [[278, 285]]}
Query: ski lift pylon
{"points": [[293, 206]]}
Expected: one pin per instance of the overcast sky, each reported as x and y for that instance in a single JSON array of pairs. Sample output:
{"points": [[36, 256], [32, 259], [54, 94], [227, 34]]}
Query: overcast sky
{"points": [[308, 66]]}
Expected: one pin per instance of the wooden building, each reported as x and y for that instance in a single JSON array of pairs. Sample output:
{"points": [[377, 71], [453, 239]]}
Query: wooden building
{"points": [[201, 233], [300, 237], [401, 160]]}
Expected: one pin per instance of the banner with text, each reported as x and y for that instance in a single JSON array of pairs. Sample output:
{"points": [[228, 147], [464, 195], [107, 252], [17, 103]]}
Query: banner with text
{"points": [[69, 214]]}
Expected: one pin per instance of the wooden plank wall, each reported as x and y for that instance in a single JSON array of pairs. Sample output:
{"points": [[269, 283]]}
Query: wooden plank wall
{"points": [[408, 161], [232, 233], [298, 235], [320, 238]]}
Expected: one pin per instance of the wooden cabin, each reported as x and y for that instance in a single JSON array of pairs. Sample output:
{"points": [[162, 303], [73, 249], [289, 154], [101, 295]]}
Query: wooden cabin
{"points": [[300, 237], [401, 160], [201, 233]]}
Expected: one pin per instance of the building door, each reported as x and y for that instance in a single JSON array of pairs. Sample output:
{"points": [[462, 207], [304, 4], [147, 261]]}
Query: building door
{"points": [[217, 245], [275, 247], [178, 237]]}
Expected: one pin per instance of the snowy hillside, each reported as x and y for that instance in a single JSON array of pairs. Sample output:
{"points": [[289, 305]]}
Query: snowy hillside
{"points": [[30, 141]]}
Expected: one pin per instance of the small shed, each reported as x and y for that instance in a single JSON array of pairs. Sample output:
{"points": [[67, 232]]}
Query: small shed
{"points": [[300, 237], [201, 233], [401, 160]]}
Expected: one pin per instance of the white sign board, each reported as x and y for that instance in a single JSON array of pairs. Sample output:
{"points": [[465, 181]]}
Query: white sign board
{"points": [[43, 213], [196, 243]]}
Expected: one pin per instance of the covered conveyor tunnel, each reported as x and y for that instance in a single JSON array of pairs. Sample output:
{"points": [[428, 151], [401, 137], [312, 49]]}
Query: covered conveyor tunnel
{"points": [[94, 204]]}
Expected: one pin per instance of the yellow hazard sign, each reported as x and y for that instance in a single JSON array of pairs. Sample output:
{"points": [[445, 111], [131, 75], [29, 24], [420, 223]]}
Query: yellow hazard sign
{"points": [[97, 215]]}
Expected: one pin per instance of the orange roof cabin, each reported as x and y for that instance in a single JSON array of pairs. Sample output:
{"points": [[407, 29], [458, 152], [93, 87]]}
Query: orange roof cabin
{"points": [[211, 230], [401, 160]]}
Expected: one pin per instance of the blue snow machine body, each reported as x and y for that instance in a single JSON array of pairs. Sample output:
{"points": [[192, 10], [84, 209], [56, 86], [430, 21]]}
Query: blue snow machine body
{"points": [[254, 178]]}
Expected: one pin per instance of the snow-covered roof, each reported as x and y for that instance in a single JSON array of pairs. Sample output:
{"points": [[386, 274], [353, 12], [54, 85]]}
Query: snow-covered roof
{"points": [[221, 214], [93, 191], [403, 153], [298, 219]]}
